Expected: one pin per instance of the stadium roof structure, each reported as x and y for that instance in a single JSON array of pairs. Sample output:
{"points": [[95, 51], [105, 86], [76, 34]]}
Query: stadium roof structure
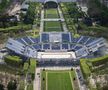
{"points": [[55, 42]]}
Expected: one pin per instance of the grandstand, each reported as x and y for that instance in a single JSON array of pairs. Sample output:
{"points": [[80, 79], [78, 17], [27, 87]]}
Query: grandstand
{"points": [[57, 45]]}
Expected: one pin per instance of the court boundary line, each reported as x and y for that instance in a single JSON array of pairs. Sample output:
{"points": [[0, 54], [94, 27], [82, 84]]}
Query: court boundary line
{"points": [[71, 80]]}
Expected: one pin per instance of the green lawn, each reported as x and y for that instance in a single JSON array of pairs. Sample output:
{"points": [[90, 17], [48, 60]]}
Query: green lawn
{"points": [[51, 13], [57, 80], [52, 26]]}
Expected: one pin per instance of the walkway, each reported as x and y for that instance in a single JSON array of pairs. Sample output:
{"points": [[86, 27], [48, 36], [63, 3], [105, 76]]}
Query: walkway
{"points": [[54, 19], [37, 81], [42, 22], [80, 79], [63, 24]]}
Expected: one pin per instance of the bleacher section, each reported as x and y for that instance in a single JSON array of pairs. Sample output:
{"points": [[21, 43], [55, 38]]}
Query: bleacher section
{"points": [[77, 47], [35, 40], [37, 46], [46, 46], [65, 37], [44, 37], [65, 46], [75, 40], [20, 48], [29, 46]]}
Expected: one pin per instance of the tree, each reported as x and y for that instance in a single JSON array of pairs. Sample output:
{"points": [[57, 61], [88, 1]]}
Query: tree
{"points": [[1, 87], [105, 87], [12, 85]]}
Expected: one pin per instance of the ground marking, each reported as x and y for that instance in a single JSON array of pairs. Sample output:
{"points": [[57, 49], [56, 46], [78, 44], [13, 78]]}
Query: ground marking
{"points": [[46, 81], [71, 80]]}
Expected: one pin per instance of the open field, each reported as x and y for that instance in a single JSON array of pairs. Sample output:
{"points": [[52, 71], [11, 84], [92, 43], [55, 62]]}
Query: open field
{"points": [[58, 80], [52, 26], [51, 13]]}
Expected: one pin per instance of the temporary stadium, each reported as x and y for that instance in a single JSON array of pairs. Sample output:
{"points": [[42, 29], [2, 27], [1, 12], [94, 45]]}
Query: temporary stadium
{"points": [[55, 46]]}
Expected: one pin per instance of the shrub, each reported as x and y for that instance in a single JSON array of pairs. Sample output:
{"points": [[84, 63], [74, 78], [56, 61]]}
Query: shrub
{"points": [[12, 85], [13, 60], [1, 87], [85, 68], [16, 28]]}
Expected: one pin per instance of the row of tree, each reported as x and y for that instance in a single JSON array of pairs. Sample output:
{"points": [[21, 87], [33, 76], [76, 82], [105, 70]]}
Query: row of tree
{"points": [[98, 11], [31, 14]]}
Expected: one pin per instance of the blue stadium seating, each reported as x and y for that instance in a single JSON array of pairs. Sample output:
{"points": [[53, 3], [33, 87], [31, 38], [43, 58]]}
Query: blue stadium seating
{"points": [[29, 46], [65, 46], [46, 46], [35, 40], [65, 37], [37, 46], [83, 40], [45, 37], [75, 40], [77, 47], [27, 40], [90, 40], [21, 41]]}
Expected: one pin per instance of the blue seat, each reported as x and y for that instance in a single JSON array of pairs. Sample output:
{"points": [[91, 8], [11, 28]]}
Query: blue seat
{"points": [[21, 41], [75, 40], [65, 37], [27, 40], [46, 46], [77, 48], [35, 40], [45, 37], [65, 46], [83, 40], [37, 46], [90, 40]]}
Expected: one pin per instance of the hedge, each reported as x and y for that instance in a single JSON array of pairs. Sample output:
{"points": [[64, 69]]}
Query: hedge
{"points": [[99, 61], [25, 67], [32, 68], [87, 64], [4, 4], [16, 28], [13, 60], [85, 68]]}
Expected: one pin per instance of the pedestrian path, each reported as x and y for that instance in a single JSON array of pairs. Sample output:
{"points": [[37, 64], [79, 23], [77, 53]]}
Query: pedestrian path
{"points": [[80, 79], [63, 23], [37, 81], [54, 19], [41, 22]]}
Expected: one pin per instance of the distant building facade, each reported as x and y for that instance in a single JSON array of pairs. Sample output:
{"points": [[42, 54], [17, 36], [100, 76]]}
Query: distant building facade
{"points": [[53, 0], [105, 2]]}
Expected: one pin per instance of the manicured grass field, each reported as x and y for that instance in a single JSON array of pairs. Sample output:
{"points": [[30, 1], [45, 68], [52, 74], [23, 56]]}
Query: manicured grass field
{"points": [[51, 13], [57, 80], [52, 26]]}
